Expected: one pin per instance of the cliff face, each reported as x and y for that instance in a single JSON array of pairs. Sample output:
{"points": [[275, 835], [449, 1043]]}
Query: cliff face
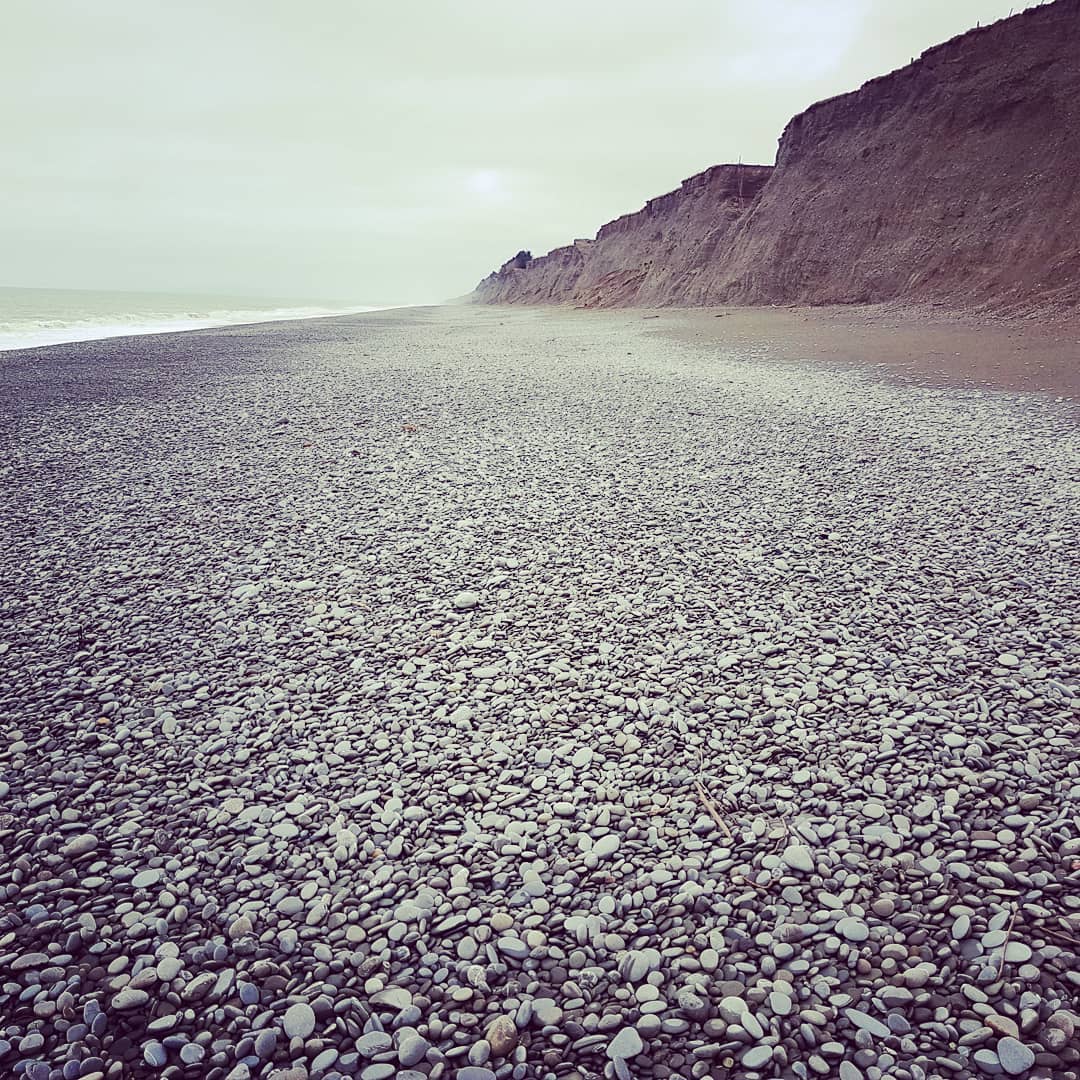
{"points": [[955, 179], [659, 255]]}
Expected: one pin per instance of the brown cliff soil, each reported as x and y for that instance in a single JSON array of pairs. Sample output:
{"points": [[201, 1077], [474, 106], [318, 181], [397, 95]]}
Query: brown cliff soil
{"points": [[954, 180], [646, 258]]}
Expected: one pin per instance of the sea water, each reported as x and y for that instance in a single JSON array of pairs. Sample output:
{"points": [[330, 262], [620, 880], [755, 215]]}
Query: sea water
{"points": [[30, 317]]}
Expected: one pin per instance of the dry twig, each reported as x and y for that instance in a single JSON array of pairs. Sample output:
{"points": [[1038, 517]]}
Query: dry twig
{"points": [[1005, 943], [740, 880], [710, 806]]}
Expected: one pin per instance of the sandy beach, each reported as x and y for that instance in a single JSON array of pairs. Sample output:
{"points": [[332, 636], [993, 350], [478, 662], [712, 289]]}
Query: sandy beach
{"points": [[476, 693], [916, 345]]}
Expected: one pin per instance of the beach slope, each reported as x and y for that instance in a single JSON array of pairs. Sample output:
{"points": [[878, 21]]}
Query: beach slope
{"points": [[485, 692]]}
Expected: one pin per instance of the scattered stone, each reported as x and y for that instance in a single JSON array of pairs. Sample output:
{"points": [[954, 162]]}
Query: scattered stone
{"points": [[867, 1023], [299, 1020], [606, 846], [412, 1048], [625, 1045], [372, 1043], [853, 929], [799, 857], [130, 998], [80, 845], [1015, 1058], [502, 1036], [279, 800], [757, 1057]]}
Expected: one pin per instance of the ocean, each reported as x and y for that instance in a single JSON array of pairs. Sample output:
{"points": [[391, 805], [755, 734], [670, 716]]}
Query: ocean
{"points": [[30, 317]]}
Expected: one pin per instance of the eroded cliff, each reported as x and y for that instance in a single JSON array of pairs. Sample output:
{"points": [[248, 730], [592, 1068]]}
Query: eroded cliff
{"points": [[655, 256], [954, 180]]}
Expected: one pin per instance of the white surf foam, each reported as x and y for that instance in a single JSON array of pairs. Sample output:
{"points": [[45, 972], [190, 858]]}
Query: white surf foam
{"points": [[31, 333]]}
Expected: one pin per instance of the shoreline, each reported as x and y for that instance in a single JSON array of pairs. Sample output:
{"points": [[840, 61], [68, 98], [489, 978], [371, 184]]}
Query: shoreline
{"points": [[908, 345], [111, 331]]}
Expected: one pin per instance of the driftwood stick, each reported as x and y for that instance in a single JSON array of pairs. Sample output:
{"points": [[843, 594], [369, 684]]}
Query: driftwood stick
{"points": [[1005, 943], [713, 812]]}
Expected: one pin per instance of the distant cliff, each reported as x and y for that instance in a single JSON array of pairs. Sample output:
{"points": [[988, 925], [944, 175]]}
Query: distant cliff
{"points": [[955, 179], [652, 257]]}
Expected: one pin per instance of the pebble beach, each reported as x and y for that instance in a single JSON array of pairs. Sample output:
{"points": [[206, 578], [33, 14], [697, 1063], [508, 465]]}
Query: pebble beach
{"points": [[469, 694]]}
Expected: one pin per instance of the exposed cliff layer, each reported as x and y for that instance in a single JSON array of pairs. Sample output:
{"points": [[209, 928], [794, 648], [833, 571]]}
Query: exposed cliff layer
{"points": [[955, 179], [652, 257]]}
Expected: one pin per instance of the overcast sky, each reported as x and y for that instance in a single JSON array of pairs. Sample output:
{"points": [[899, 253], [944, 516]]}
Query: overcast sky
{"points": [[384, 151]]}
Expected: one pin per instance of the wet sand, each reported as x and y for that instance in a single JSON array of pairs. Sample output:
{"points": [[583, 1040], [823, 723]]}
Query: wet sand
{"points": [[922, 347]]}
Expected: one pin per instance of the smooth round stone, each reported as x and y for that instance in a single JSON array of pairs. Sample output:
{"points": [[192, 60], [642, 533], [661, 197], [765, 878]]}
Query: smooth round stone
{"points": [[799, 857], [780, 1004], [1014, 1056], [867, 1023], [546, 1012], [466, 600], [732, 1008], [266, 1043], [192, 1053], [79, 845], [479, 1052], [299, 1020], [757, 1057], [373, 1042], [987, 1062], [752, 1025], [606, 846], [649, 1026], [393, 997], [513, 947], [625, 1045], [384, 1070], [1017, 952], [853, 929], [146, 879], [324, 1060], [130, 998], [155, 1054], [411, 1049]]}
